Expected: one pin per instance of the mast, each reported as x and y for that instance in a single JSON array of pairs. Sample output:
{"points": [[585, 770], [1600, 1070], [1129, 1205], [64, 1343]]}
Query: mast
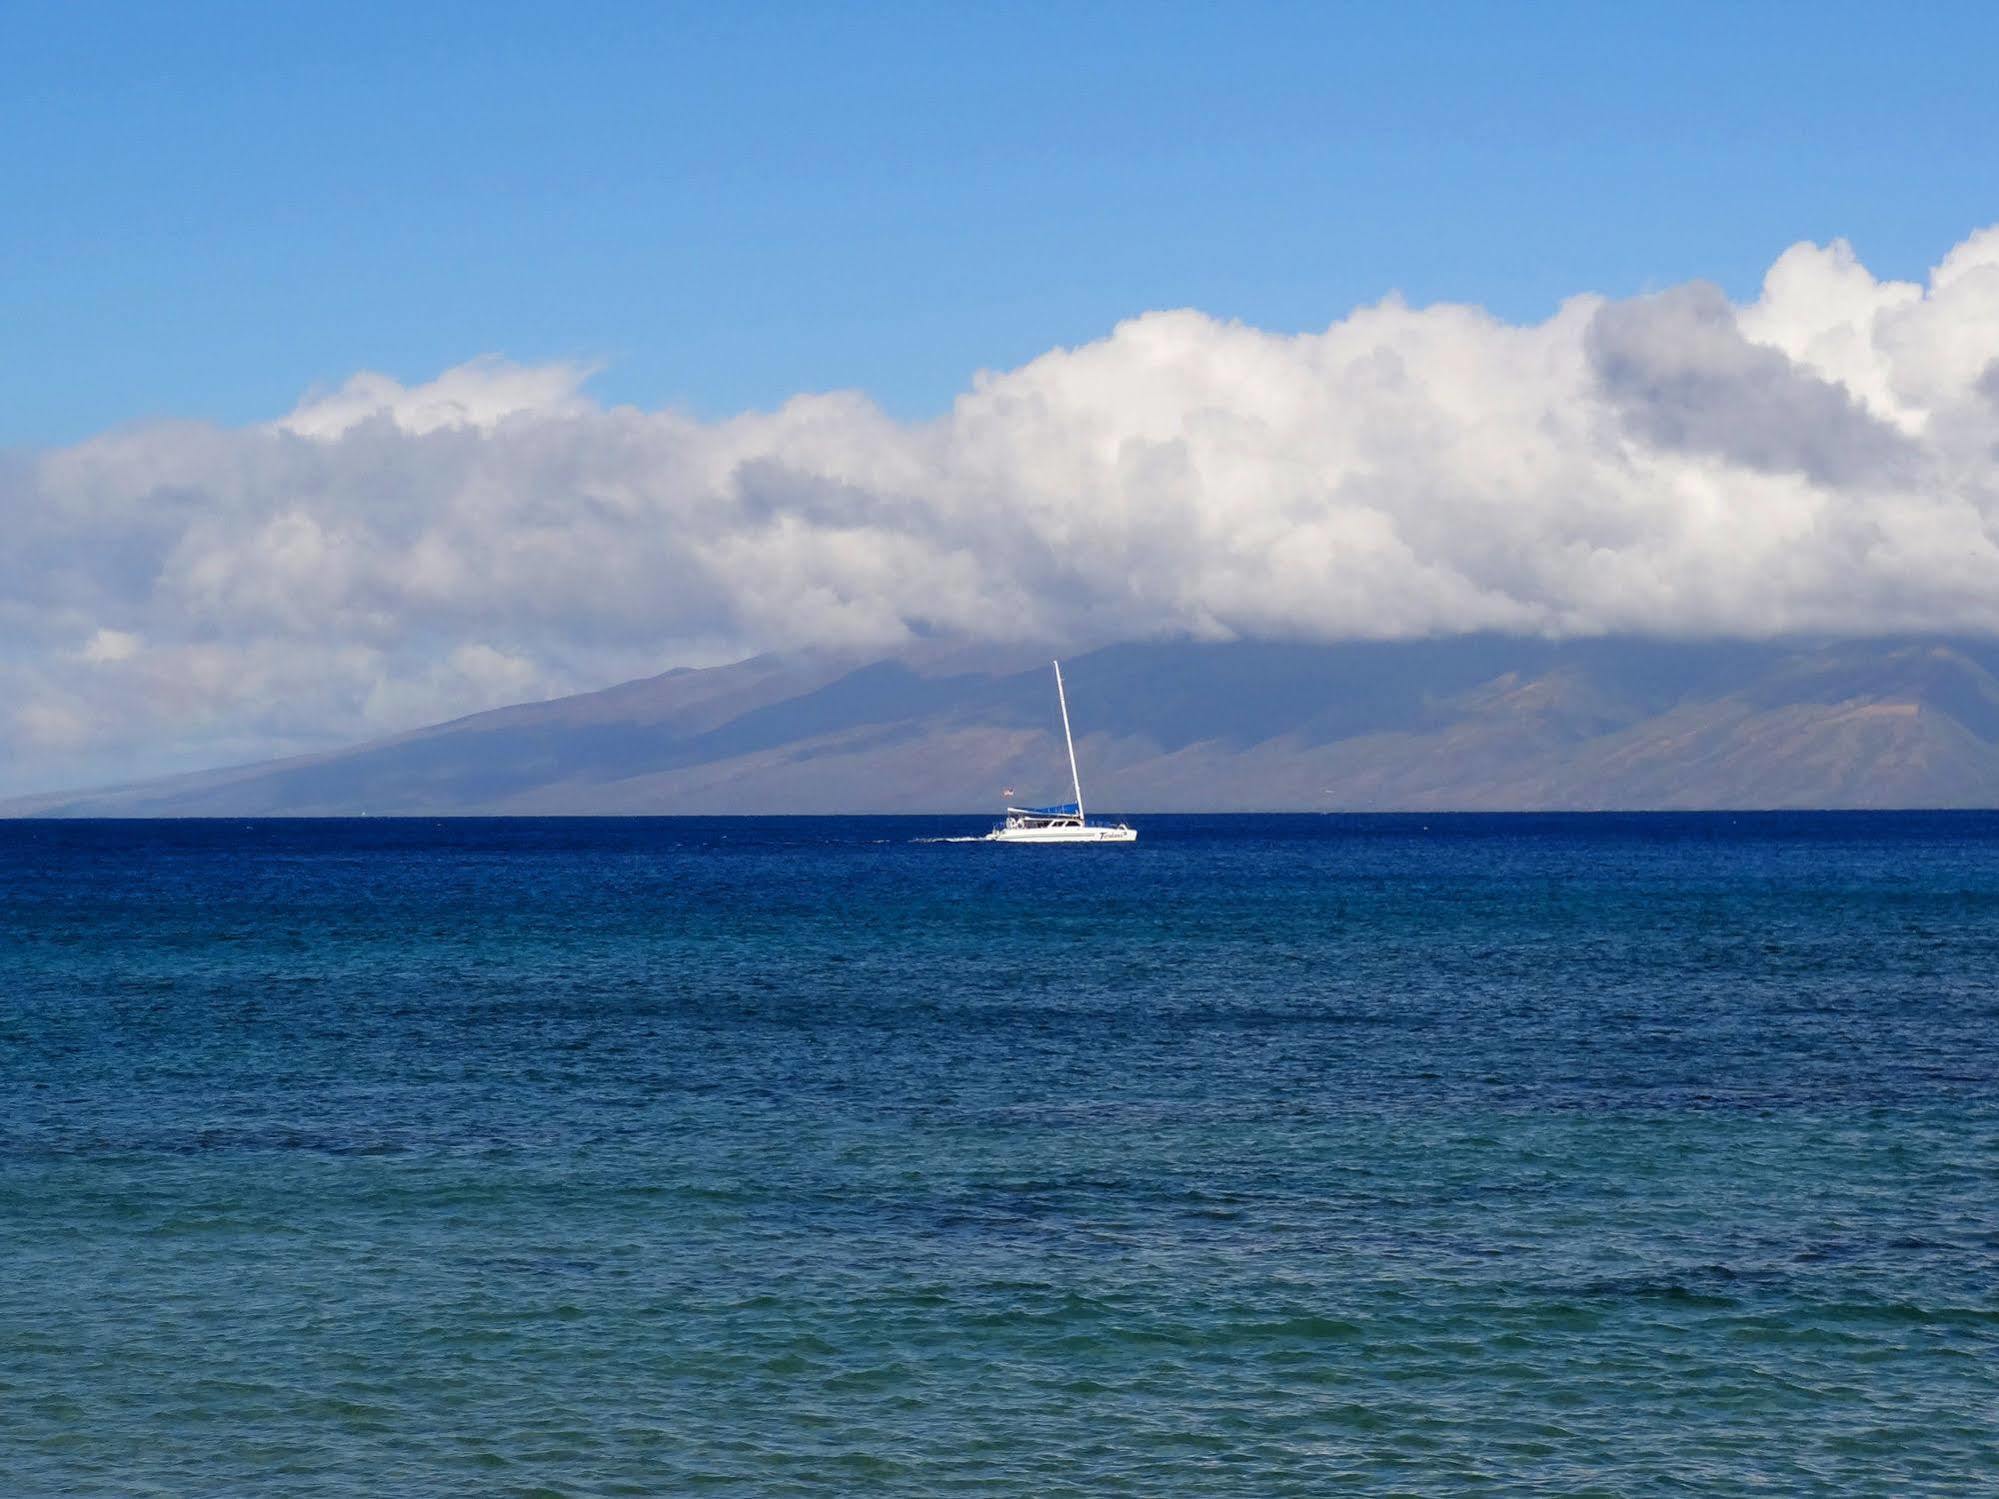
{"points": [[1075, 780]]}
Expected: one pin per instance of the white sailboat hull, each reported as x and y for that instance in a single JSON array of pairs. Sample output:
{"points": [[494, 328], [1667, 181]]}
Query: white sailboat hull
{"points": [[1085, 834]]}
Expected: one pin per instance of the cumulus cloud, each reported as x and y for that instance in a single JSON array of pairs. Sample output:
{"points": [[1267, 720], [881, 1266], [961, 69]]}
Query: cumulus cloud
{"points": [[1681, 374], [1821, 459], [481, 394]]}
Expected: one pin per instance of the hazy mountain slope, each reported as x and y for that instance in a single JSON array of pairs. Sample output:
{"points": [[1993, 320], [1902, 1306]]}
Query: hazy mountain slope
{"points": [[441, 766], [1481, 722]]}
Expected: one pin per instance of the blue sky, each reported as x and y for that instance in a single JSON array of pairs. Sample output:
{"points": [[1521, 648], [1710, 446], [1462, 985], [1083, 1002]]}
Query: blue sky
{"points": [[205, 210]]}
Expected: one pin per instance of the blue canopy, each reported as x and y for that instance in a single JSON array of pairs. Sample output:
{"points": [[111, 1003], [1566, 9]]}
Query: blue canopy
{"points": [[1067, 809]]}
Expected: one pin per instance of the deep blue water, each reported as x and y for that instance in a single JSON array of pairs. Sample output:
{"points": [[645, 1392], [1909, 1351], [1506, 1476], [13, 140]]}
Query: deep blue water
{"points": [[1607, 1155]]}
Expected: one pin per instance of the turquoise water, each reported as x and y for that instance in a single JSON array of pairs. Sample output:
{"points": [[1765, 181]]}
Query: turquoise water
{"points": [[1590, 1155]]}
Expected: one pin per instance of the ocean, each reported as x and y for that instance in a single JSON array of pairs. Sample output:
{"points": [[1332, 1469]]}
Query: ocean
{"points": [[1427, 1155]]}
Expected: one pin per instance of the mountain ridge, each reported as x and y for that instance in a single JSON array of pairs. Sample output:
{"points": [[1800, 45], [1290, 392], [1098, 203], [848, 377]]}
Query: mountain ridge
{"points": [[1475, 723]]}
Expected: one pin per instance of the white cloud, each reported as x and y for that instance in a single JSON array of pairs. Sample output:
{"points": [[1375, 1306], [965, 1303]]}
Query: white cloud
{"points": [[1820, 460], [109, 646], [50, 726], [481, 394]]}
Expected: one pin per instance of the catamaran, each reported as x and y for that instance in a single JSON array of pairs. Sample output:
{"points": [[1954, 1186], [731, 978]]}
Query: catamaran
{"points": [[1066, 823]]}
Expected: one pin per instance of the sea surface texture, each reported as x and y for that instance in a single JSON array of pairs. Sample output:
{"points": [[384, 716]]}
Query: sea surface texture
{"points": [[1556, 1155]]}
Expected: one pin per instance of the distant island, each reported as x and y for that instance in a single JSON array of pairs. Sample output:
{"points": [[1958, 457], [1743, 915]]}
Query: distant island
{"points": [[1474, 723]]}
